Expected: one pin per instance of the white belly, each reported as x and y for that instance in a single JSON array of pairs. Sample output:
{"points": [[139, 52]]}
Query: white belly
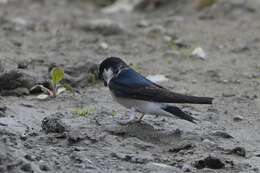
{"points": [[145, 107]]}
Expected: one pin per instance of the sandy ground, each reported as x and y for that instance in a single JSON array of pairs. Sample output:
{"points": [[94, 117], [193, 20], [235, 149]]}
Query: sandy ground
{"points": [[48, 136]]}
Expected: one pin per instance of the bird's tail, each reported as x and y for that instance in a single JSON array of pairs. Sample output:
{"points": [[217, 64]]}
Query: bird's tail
{"points": [[179, 113], [181, 98]]}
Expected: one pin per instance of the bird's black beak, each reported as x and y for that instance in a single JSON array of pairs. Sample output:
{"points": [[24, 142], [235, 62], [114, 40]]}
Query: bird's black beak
{"points": [[105, 83]]}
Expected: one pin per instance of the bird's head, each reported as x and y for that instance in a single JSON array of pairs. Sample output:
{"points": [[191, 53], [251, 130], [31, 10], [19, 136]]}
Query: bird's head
{"points": [[109, 68]]}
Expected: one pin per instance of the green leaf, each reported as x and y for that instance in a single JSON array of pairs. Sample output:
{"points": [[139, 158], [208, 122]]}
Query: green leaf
{"points": [[57, 75], [68, 87]]}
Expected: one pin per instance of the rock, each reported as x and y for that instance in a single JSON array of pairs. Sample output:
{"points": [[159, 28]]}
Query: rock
{"points": [[222, 134], [23, 64], [105, 27], [1, 67], [121, 6], [238, 118], [199, 53], [103, 45], [75, 137], [30, 157], [44, 167], [186, 168], [143, 23], [157, 78], [209, 162], [53, 125], [82, 74], [181, 146], [2, 111], [160, 167], [26, 167], [16, 83], [209, 142], [133, 158], [240, 151]]}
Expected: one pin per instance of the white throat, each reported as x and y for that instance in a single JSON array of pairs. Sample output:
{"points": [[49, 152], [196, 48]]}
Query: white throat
{"points": [[108, 75]]}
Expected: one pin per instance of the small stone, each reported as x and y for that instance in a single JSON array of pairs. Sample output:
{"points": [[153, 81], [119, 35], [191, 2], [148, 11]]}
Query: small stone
{"points": [[29, 157], [209, 162], [240, 151], [199, 53], [180, 147], [238, 118], [222, 134], [26, 167], [75, 137], [209, 142], [53, 125], [186, 168], [180, 43], [44, 167], [103, 45], [143, 24]]}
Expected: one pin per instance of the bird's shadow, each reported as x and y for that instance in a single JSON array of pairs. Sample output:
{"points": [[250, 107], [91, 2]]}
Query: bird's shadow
{"points": [[148, 133]]}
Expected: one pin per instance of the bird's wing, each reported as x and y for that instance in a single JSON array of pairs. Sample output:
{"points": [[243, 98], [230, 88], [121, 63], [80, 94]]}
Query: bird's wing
{"points": [[130, 84]]}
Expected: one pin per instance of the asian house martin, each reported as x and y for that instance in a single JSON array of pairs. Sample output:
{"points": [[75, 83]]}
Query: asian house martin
{"points": [[139, 94]]}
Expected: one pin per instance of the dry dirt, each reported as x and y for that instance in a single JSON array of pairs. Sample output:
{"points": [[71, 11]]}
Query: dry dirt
{"points": [[48, 136]]}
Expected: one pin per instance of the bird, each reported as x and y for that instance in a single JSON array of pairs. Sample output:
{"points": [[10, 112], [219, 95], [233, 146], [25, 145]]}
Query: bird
{"points": [[140, 95]]}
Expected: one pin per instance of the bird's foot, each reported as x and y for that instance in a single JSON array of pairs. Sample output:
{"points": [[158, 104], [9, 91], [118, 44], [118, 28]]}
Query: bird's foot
{"points": [[130, 120]]}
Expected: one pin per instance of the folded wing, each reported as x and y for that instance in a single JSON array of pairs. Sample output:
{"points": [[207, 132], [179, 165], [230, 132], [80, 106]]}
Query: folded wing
{"points": [[130, 84]]}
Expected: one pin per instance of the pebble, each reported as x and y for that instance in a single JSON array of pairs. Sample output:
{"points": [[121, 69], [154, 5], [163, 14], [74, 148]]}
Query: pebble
{"points": [[26, 167], [53, 125], [222, 134], [238, 118], [199, 53], [240, 151]]}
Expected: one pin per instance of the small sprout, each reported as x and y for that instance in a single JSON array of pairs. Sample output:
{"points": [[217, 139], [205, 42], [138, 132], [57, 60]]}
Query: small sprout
{"points": [[201, 4], [113, 113], [57, 75], [84, 112], [92, 78]]}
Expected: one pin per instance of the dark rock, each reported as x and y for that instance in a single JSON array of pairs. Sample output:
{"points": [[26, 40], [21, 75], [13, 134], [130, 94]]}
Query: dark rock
{"points": [[29, 157], [211, 162], [222, 134], [2, 111], [23, 64], [103, 26], [26, 167], [53, 125], [16, 83], [181, 146], [240, 151], [238, 118], [44, 167], [1, 67]]}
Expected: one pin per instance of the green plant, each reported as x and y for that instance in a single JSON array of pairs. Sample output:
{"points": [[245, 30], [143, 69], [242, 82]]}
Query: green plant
{"points": [[57, 75], [84, 112]]}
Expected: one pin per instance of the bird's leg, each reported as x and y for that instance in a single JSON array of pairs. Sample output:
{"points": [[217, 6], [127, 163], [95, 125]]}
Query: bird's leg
{"points": [[131, 117]]}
